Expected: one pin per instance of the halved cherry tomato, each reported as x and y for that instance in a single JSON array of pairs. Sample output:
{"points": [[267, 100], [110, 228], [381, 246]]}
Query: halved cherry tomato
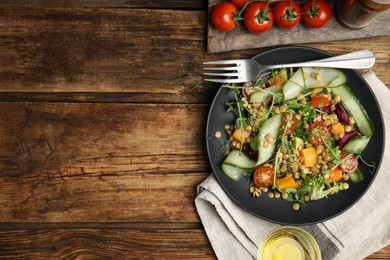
{"points": [[247, 90], [319, 101], [222, 16], [317, 14], [293, 123], [350, 164], [239, 3], [263, 176], [318, 132], [287, 14], [258, 17]]}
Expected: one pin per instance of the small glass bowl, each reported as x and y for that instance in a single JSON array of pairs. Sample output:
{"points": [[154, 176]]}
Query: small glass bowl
{"points": [[308, 243]]}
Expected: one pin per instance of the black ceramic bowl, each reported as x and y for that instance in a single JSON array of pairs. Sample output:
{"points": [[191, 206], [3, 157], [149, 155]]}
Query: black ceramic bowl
{"points": [[278, 210]]}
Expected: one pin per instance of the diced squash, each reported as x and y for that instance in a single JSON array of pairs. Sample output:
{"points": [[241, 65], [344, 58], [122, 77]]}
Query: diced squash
{"points": [[335, 175], [278, 80], [240, 135], [309, 156], [286, 182], [314, 91], [337, 129], [320, 101]]}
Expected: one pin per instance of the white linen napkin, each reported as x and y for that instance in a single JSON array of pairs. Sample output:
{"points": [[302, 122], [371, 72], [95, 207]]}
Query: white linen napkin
{"points": [[360, 231]]}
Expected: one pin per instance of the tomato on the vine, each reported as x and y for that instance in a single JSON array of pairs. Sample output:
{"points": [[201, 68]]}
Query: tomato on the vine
{"points": [[287, 14], [263, 176], [316, 13], [239, 3], [222, 16], [258, 17]]}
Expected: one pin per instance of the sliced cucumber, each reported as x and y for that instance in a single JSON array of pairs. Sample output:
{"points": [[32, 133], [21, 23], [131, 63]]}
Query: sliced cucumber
{"points": [[354, 109], [356, 144], [261, 95], [232, 172], [294, 85], [271, 126], [239, 159], [323, 77], [356, 176]]}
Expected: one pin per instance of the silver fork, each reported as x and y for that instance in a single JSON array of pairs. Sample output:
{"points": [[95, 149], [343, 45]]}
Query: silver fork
{"points": [[246, 70]]}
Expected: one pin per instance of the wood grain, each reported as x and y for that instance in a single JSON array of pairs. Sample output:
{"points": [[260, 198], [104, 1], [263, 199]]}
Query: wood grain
{"points": [[100, 162], [103, 118], [98, 55], [161, 243], [166, 4], [240, 38]]}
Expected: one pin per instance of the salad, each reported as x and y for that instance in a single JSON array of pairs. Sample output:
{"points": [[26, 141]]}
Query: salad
{"points": [[298, 135]]}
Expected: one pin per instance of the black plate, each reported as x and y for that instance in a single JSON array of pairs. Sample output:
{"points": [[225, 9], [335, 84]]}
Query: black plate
{"points": [[279, 210]]}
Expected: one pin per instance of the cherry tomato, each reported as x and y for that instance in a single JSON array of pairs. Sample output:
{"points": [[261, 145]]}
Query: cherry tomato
{"points": [[350, 164], [320, 101], [258, 17], [318, 132], [286, 16], [222, 16], [263, 176], [293, 123], [316, 15], [239, 3]]}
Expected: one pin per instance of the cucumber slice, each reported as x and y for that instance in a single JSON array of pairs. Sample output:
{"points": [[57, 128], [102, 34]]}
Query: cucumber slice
{"points": [[232, 172], [261, 95], [270, 126], [356, 144], [356, 176], [327, 77], [354, 109], [239, 159], [294, 85]]}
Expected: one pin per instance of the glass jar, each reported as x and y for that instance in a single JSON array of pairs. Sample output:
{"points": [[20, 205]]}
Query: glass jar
{"points": [[288, 240], [356, 14]]}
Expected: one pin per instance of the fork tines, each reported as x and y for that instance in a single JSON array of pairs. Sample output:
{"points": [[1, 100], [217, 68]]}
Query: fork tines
{"points": [[223, 68]]}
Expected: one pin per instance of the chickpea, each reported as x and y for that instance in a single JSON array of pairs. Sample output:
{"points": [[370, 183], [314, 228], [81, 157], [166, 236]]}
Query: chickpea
{"points": [[269, 138], [296, 206], [336, 99], [248, 128]]}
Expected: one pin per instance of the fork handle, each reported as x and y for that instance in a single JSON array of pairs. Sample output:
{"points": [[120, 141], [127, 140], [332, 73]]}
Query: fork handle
{"points": [[363, 59]]}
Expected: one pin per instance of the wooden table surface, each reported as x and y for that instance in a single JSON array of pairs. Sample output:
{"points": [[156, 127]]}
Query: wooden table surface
{"points": [[102, 137]]}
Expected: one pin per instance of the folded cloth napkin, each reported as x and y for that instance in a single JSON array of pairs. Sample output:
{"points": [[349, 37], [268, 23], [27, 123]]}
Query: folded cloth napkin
{"points": [[360, 231]]}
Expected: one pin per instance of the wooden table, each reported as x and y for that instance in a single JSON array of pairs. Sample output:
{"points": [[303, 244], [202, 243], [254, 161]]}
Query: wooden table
{"points": [[102, 137]]}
